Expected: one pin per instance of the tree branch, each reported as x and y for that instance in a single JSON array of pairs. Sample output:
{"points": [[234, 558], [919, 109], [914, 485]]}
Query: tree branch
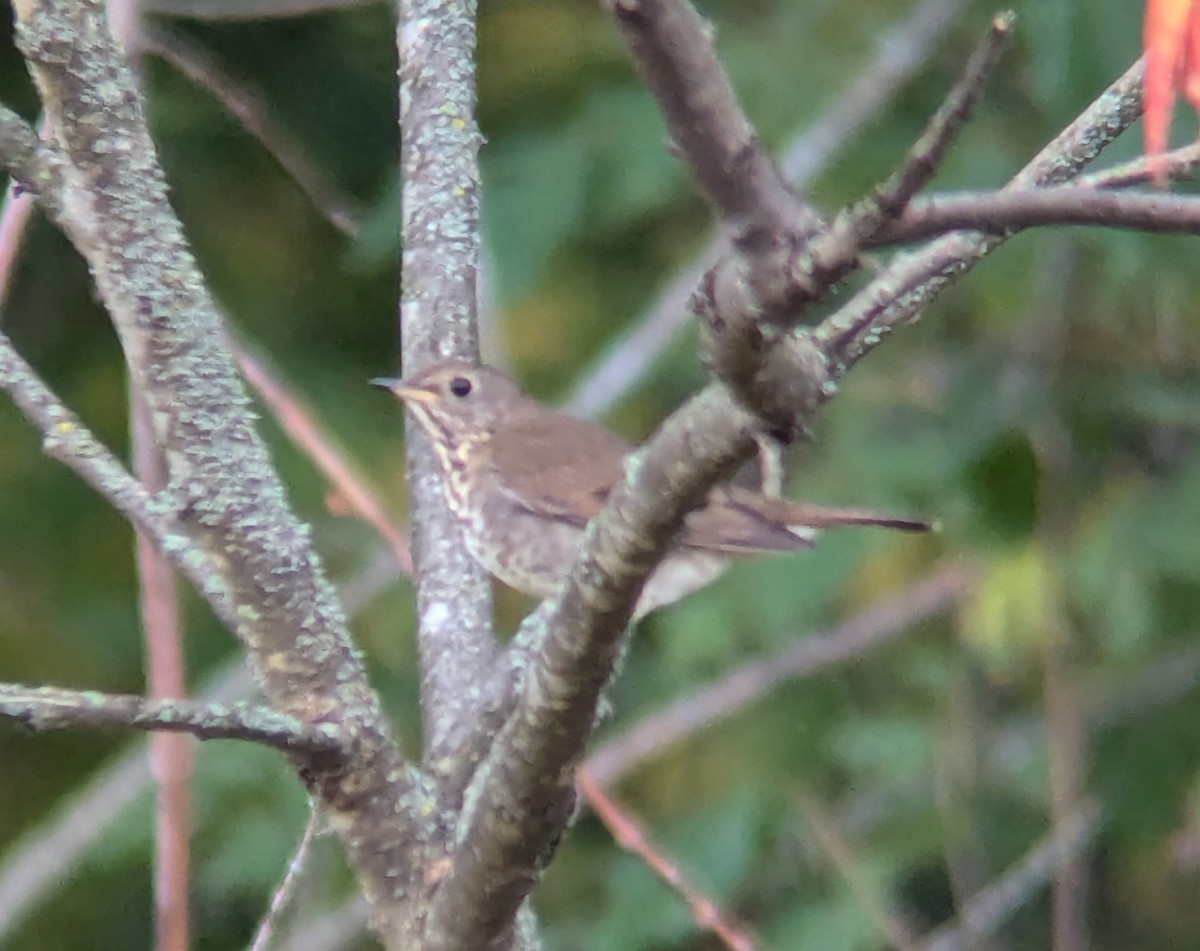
{"points": [[991, 906], [522, 796], [906, 286], [202, 68], [229, 499], [47, 708], [899, 53], [673, 49], [439, 145], [45, 859], [1012, 210], [66, 439], [628, 833], [893, 196], [519, 798], [808, 655], [750, 301]]}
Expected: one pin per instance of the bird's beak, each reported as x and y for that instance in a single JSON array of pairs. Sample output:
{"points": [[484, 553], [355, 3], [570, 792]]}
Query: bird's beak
{"points": [[402, 390]]}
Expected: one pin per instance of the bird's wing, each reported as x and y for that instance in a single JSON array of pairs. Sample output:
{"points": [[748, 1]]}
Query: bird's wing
{"points": [[557, 470], [737, 522], [745, 522]]}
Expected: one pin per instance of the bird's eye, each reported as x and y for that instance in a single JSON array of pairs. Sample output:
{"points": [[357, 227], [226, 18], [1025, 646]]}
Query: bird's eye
{"points": [[460, 386]]}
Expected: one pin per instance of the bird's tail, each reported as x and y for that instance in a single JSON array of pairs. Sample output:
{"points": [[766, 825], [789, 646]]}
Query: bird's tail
{"points": [[804, 515], [748, 522]]}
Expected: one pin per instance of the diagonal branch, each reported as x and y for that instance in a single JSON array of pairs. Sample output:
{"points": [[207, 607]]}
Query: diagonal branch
{"points": [[810, 654], [66, 439], [1177, 164], [202, 68], [906, 286], [628, 833], [523, 793], [898, 56], [926, 155], [988, 909], [308, 433], [673, 49]]}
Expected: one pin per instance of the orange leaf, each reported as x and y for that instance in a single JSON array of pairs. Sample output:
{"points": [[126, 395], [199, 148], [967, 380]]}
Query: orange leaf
{"points": [[1172, 41]]}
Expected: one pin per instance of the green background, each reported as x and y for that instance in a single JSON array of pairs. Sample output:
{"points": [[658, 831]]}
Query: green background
{"points": [[1046, 410]]}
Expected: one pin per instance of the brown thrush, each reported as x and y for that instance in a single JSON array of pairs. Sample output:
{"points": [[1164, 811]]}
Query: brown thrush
{"points": [[524, 480]]}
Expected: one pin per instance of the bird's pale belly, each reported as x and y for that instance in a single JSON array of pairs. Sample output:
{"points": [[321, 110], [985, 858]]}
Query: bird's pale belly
{"points": [[528, 552]]}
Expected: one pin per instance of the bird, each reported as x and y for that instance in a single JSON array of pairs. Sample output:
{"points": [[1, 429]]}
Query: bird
{"points": [[523, 480]]}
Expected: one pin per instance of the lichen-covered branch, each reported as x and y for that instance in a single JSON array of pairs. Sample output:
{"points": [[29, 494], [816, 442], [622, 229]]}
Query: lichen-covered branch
{"points": [[223, 489], [904, 288], [65, 438], [439, 159], [56, 708]]}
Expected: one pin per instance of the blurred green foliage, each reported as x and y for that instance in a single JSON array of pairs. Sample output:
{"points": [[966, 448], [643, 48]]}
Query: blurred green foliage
{"points": [[1046, 410]]}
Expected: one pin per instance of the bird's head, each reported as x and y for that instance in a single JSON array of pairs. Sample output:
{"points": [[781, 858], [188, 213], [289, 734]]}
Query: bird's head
{"points": [[456, 402]]}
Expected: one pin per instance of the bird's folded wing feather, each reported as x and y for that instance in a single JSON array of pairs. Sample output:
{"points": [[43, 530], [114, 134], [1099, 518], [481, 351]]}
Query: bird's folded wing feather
{"points": [[747, 522], [559, 471], [736, 522], [566, 472]]}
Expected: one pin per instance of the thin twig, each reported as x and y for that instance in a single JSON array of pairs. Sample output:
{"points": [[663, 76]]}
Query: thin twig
{"points": [[985, 912], [901, 51], [629, 834], [831, 255], [927, 154], [287, 888], [1008, 211], [808, 655], [333, 930], [314, 440], [839, 851], [900, 293], [254, 115], [171, 755], [750, 302], [1177, 164]]}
